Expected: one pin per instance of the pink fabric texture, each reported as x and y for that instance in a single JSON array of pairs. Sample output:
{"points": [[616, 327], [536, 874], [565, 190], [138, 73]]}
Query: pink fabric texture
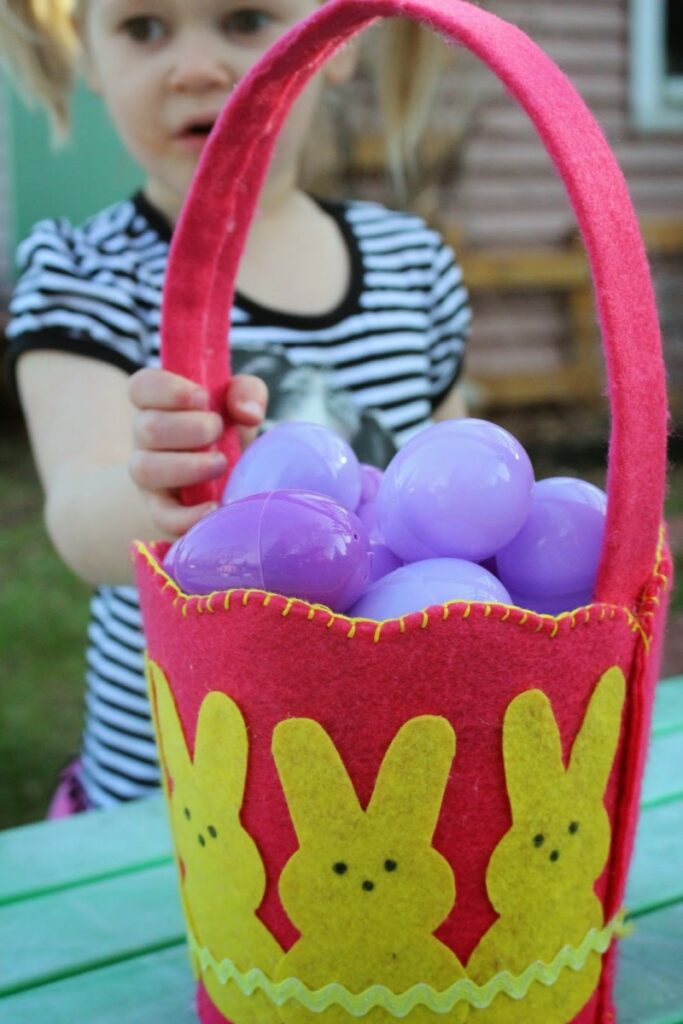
{"points": [[279, 659], [69, 797]]}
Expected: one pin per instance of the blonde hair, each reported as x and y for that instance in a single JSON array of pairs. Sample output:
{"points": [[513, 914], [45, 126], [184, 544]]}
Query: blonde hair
{"points": [[39, 43], [409, 67]]}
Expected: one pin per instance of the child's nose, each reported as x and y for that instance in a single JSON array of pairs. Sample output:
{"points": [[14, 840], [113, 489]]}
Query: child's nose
{"points": [[198, 65]]}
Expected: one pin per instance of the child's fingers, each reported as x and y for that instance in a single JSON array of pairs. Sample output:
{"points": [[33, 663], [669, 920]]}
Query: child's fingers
{"points": [[247, 436], [173, 518], [166, 471], [151, 388], [176, 431], [246, 400]]}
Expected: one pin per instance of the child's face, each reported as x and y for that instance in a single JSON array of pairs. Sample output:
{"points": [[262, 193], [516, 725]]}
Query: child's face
{"points": [[165, 67]]}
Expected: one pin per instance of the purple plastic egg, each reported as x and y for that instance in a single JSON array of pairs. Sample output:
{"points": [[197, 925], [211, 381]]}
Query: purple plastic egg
{"points": [[459, 489], [367, 513], [422, 584], [295, 543], [557, 550], [552, 604], [382, 558], [370, 479], [169, 558], [298, 456]]}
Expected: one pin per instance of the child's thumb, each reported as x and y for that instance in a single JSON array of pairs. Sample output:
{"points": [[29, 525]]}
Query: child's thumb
{"points": [[247, 399]]}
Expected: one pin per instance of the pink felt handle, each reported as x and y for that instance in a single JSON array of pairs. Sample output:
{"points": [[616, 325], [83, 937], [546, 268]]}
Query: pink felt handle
{"points": [[208, 242]]}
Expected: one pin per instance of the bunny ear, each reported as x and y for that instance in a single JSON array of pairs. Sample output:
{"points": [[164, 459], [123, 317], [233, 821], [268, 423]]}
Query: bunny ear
{"points": [[412, 778], [171, 741], [318, 790], [532, 751], [596, 744], [221, 746]]}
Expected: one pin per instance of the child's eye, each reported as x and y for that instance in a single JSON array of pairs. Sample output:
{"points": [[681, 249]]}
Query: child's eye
{"points": [[144, 28], [246, 21]]}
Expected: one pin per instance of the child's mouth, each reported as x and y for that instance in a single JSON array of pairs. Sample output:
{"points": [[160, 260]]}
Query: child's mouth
{"points": [[200, 129], [193, 136]]}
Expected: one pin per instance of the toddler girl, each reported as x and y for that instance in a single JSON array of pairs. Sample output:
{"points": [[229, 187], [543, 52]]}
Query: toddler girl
{"points": [[370, 295]]}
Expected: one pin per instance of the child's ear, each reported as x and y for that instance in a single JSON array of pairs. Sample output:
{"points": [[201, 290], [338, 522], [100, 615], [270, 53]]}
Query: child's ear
{"points": [[342, 66]]}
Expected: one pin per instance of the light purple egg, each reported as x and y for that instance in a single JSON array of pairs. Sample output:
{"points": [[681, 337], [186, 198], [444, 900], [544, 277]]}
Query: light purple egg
{"points": [[557, 550], [290, 542], [553, 604], [459, 489], [370, 479], [423, 584], [298, 456], [367, 513], [169, 558], [382, 558]]}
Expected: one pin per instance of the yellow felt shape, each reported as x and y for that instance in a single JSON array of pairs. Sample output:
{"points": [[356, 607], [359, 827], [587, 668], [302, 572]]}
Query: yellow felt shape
{"points": [[223, 878], [366, 889], [541, 876]]}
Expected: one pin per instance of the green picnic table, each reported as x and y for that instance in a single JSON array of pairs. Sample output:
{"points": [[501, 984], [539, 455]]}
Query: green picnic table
{"points": [[91, 929]]}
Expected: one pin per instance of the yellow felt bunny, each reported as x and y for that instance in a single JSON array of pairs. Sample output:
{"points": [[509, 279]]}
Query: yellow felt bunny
{"points": [[366, 889], [223, 879], [541, 876]]}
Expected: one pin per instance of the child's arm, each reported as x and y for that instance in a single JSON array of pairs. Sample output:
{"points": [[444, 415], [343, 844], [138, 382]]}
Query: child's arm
{"points": [[453, 405], [90, 442]]}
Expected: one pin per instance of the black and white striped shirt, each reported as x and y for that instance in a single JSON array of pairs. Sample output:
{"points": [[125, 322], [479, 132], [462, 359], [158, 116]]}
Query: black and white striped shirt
{"points": [[395, 345]]}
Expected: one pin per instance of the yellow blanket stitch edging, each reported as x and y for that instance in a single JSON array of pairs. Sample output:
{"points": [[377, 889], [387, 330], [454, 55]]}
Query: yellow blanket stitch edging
{"points": [[358, 1004]]}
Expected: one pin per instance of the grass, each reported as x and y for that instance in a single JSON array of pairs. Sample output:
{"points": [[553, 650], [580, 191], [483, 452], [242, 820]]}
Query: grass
{"points": [[43, 616]]}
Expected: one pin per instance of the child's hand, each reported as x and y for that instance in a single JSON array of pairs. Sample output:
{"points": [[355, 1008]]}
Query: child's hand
{"points": [[171, 422]]}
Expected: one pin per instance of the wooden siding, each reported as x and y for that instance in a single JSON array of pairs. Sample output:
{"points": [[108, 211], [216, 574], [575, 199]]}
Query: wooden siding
{"points": [[510, 195], [506, 194]]}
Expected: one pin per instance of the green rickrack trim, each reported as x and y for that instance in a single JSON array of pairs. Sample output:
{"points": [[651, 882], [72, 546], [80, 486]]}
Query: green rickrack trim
{"points": [[358, 1004]]}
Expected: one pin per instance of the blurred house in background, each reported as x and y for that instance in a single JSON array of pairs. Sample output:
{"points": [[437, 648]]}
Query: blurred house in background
{"points": [[486, 182], [492, 189]]}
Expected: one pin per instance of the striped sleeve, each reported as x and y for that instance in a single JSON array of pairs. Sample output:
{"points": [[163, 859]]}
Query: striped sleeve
{"points": [[450, 318], [67, 299]]}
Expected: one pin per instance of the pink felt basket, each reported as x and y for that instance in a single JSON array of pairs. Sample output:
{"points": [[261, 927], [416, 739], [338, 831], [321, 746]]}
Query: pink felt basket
{"points": [[280, 660]]}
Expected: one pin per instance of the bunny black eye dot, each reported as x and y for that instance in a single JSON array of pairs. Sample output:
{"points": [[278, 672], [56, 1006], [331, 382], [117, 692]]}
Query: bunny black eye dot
{"points": [[554, 855], [212, 831], [573, 827], [340, 867], [539, 839], [202, 840], [390, 865], [187, 814]]}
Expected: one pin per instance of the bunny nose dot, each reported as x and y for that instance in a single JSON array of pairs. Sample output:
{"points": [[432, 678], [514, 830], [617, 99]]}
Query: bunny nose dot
{"points": [[554, 854], [368, 886]]}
